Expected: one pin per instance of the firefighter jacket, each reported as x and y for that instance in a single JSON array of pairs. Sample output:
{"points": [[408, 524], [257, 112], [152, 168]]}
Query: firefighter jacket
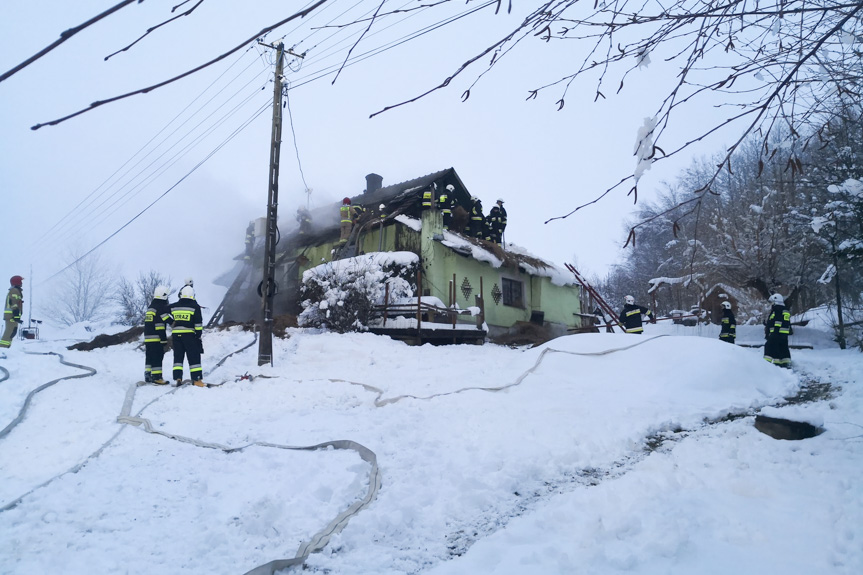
{"points": [[444, 204], [186, 314], [630, 317], [14, 305], [428, 198], [728, 330], [345, 213], [501, 219], [158, 314], [476, 213], [356, 212], [778, 324]]}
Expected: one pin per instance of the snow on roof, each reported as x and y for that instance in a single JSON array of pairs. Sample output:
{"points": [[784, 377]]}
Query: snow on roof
{"points": [[530, 263]]}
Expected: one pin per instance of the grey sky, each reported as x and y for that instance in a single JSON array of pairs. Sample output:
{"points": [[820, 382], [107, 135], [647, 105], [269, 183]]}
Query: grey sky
{"points": [[542, 162]]}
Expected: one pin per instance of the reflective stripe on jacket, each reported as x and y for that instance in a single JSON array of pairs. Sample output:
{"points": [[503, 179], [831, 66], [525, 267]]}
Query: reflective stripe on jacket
{"points": [[187, 317], [14, 304], [779, 321], [345, 212], [158, 314]]}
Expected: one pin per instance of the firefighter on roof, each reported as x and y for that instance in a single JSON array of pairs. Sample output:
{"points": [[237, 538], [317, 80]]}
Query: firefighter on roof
{"points": [[444, 203], [344, 221]]}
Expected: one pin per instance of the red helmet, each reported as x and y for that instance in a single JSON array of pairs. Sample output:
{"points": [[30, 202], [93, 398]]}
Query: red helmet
{"points": [[346, 201], [16, 281]]}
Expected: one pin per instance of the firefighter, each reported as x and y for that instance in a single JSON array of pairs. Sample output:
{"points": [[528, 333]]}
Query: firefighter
{"points": [[496, 222], [476, 225], [444, 203], [728, 332], [630, 317], [250, 241], [777, 328], [501, 220], [187, 328], [305, 220], [155, 336], [357, 211], [12, 313], [345, 221], [428, 198]]}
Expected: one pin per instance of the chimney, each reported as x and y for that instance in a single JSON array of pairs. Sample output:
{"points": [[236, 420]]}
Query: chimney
{"points": [[373, 182]]}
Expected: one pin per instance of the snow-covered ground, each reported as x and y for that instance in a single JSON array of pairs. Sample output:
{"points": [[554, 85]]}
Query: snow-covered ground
{"points": [[592, 454]]}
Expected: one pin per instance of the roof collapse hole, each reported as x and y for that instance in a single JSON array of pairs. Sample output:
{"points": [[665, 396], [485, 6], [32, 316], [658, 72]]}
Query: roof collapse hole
{"points": [[785, 428]]}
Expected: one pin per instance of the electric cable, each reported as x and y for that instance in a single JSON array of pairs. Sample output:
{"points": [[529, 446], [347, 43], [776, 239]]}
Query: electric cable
{"points": [[103, 210], [166, 192], [80, 206], [294, 134]]}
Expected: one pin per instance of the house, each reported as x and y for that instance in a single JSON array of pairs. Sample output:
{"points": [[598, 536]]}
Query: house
{"points": [[515, 287]]}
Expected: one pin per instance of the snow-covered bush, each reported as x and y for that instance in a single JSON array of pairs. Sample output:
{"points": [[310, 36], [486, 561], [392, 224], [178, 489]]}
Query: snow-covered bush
{"points": [[341, 295]]}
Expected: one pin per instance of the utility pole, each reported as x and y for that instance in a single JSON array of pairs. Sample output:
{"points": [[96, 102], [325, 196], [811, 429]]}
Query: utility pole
{"points": [[267, 287]]}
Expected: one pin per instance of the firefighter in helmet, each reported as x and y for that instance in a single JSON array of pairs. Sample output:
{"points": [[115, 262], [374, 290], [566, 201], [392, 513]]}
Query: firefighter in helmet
{"points": [[12, 313], [728, 331], [630, 317], [777, 328], [345, 223], [187, 329], [155, 335]]}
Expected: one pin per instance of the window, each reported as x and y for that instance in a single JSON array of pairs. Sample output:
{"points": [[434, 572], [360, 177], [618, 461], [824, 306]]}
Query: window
{"points": [[513, 294]]}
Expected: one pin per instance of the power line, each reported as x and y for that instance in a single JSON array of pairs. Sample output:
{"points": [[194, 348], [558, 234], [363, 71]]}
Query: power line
{"points": [[260, 111], [294, 134], [81, 206]]}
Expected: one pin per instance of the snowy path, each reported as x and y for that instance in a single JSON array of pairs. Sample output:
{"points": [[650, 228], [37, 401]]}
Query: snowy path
{"points": [[461, 469]]}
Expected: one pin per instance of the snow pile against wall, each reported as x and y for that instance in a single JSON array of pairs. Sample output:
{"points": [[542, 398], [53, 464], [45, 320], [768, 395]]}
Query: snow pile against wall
{"points": [[341, 295]]}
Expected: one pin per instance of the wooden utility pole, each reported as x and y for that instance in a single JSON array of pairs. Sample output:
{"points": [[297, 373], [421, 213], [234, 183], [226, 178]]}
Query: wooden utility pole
{"points": [[267, 287]]}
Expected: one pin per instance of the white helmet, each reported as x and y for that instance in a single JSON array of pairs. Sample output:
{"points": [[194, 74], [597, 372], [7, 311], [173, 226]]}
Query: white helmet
{"points": [[629, 300], [161, 292], [450, 187], [189, 281], [726, 304], [776, 299], [500, 200], [187, 292]]}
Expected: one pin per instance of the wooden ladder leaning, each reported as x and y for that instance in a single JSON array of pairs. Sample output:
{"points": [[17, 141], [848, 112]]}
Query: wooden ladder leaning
{"points": [[611, 316]]}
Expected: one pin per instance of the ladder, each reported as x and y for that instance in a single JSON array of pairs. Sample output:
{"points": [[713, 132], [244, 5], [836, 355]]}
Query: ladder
{"points": [[603, 305]]}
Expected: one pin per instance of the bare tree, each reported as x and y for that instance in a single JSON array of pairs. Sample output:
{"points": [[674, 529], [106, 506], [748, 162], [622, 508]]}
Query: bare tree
{"points": [[83, 292], [133, 298], [778, 66]]}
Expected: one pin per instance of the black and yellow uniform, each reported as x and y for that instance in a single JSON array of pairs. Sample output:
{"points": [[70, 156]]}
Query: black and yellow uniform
{"points": [[428, 198], [495, 231], [476, 226], [777, 328], [728, 331], [630, 317], [186, 336], [501, 221], [444, 204], [155, 339], [12, 312]]}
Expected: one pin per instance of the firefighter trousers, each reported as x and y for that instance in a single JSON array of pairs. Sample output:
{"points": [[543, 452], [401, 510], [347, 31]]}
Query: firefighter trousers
{"points": [[187, 346], [154, 354]]}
